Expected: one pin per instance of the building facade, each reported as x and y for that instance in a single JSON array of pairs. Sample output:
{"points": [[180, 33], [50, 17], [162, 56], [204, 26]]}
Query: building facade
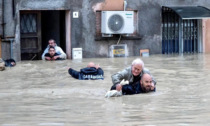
{"points": [[27, 25]]}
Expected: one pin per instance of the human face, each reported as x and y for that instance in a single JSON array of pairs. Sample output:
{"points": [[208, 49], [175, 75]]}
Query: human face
{"points": [[52, 52], [51, 43], [146, 82], [136, 69]]}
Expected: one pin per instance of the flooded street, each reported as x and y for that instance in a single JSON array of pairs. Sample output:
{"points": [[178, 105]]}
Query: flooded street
{"points": [[42, 93]]}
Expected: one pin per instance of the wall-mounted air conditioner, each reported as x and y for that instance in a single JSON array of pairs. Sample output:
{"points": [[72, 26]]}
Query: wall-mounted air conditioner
{"points": [[117, 22]]}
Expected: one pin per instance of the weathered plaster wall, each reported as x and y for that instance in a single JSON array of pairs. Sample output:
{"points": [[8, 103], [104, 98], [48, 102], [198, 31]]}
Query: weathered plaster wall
{"points": [[83, 28], [206, 35]]}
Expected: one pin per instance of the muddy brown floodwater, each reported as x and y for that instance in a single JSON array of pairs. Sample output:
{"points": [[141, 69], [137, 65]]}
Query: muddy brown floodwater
{"points": [[42, 93]]}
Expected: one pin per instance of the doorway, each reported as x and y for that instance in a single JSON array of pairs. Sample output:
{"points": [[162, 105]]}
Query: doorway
{"points": [[37, 27], [53, 27]]}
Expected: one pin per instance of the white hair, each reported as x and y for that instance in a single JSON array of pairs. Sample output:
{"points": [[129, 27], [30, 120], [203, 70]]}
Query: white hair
{"points": [[138, 61]]}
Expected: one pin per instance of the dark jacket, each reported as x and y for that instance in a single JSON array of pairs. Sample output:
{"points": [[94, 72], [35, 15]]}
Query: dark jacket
{"points": [[126, 74], [8, 62], [87, 73], [130, 89], [56, 54]]}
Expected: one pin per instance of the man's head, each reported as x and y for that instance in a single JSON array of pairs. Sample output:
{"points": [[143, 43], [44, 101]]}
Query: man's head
{"points": [[51, 51], [137, 66], [91, 64], [52, 42], [146, 82]]}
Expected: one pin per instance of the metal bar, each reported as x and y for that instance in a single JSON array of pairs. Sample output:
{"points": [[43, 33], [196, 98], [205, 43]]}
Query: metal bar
{"points": [[190, 36], [163, 30], [171, 32], [194, 30], [175, 36], [177, 21], [196, 36], [175, 28], [180, 36], [184, 35], [167, 32]]}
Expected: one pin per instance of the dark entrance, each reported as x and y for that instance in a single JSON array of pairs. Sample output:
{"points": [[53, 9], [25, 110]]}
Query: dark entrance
{"points": [[37, 27], [53, 27]]}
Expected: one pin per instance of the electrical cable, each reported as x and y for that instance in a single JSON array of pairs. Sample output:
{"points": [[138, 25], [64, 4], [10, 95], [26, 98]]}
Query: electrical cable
{"points": [[119, 40]]}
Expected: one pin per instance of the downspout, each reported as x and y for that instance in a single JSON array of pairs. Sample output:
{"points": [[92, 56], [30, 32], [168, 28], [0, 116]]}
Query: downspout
{"points": [[7, 39], [125, 5], [13, 8], [3, 19]]}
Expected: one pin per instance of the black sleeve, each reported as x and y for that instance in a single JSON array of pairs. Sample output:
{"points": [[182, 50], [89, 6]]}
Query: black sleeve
{"points": [[128, 89], [100, 71], [74, 73], [47, 55]]}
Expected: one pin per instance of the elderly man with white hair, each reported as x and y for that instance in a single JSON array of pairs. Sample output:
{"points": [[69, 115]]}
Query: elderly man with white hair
{"points": [[133, 74]]}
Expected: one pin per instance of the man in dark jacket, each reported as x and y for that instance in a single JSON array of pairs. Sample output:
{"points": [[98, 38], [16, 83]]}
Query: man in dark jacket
{"points": [[91, 72], [143, 86], [52, 55], [6, 63], [133, 74]]}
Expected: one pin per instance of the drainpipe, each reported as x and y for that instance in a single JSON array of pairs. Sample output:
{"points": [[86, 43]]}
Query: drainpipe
{"points": [[13, 8], [3, 19], [7, 39], [11, 48], [10, 40], [125, 5]]}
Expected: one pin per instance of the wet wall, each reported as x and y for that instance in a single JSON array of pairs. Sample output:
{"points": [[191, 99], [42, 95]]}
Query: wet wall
{"points": [[83, 28]]}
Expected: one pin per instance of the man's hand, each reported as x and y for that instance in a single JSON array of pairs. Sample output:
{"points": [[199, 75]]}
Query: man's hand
{"points": [[152, 86], [97, 66], [118, 87], [47, 58], [55, 57]]}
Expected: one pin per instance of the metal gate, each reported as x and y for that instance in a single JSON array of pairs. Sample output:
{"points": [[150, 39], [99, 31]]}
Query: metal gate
{"points": [[170, 31], [190, 36], [175, 29]]}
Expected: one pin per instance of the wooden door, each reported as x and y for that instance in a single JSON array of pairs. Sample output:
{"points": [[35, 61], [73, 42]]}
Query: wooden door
{"points": [[30, 29]]}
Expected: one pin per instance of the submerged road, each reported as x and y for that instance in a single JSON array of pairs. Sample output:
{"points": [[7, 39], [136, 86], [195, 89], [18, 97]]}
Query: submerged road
{"points": [[42, 93]]}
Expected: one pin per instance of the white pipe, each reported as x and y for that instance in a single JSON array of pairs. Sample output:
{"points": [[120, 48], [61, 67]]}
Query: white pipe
{"points": [[125, 5]]}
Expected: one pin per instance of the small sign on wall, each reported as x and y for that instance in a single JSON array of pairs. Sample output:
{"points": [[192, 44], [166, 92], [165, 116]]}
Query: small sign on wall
{"points": [[75, 14], [118, 50]]}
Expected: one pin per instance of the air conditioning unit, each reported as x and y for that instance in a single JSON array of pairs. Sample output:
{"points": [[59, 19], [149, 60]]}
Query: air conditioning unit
{"points": [[117, 22]]}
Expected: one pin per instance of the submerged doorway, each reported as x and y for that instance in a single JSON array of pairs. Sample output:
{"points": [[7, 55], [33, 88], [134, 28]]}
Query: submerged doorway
{"points": [[37, 27]]}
